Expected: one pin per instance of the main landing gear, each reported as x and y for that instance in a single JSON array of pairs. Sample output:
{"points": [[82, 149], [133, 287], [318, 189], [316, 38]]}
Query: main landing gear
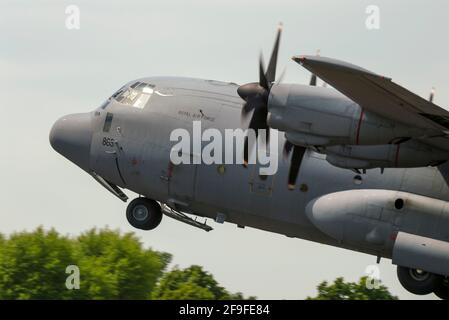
{"points": [[144, 213], [421, 282]]}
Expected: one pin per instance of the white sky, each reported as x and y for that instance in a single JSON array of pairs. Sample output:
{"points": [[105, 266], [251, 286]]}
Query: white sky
{"points": [[47, 71]]}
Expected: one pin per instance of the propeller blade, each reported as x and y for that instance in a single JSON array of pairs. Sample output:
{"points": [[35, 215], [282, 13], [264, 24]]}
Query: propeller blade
{"points": [[259, 118], [247, 147], [288, 146], [432, 95], [246, 152], [258, 121], [263, 82], [282, 76], [255, 102], [271, 71], [298, 155], [247, 108]]}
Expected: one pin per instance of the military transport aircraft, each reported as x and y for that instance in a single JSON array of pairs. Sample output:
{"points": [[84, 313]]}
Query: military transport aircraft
{"points": [[362, 162]]}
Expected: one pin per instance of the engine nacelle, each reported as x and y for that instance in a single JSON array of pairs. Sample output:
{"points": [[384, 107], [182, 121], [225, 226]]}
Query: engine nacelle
{"points": [[314, 116], [372, 219], [410, 154]]}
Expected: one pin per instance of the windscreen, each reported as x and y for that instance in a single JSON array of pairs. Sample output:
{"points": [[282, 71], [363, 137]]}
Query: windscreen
{"points": [[137, 95]]}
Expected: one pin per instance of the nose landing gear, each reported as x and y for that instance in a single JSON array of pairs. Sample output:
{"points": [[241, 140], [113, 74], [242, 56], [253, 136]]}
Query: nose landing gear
{"points": [[144, 213]]}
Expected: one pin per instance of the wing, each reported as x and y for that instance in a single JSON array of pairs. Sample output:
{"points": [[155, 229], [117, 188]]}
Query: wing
{"points": [[379, 94]]}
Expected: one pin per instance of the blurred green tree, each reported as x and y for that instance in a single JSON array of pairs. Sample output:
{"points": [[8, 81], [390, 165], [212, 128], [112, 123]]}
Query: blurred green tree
{"points": [[112, 265], [192, 283], [32, 265], [115, 266], [341, 290]]}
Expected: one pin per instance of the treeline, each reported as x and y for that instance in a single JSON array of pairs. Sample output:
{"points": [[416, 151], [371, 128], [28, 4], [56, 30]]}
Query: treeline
{"points": [[106, 264], [111, 265]]}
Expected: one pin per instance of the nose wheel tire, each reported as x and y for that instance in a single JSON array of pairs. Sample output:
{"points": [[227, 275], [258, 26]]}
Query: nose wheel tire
{"points": [[144, 214], [418, 281]]}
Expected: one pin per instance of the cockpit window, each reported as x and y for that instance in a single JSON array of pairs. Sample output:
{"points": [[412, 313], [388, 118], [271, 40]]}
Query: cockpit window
{"points": [[136, 95], [119, 91]]}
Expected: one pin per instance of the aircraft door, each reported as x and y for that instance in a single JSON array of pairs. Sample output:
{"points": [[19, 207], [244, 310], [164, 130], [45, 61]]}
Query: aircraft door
{"points": [[132, 162], [155, 171], [107, 149], [181, 183]]}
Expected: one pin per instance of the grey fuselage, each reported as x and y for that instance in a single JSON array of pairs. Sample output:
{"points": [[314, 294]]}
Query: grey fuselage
{"points": [[139, 160]]}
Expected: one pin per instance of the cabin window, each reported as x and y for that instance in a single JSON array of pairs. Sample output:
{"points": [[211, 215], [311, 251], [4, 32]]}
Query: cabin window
{"points": [[108, 122]]}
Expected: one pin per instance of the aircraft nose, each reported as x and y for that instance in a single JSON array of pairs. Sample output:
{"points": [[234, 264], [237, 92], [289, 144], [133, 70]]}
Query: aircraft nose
{"points": [[71, 136]]}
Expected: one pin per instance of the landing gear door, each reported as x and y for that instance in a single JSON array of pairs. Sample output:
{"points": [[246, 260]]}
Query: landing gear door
{"points": [[106, 151]]}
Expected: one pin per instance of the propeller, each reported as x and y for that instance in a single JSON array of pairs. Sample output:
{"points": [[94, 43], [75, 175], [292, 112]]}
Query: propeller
{"points": [[256, 95]]}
